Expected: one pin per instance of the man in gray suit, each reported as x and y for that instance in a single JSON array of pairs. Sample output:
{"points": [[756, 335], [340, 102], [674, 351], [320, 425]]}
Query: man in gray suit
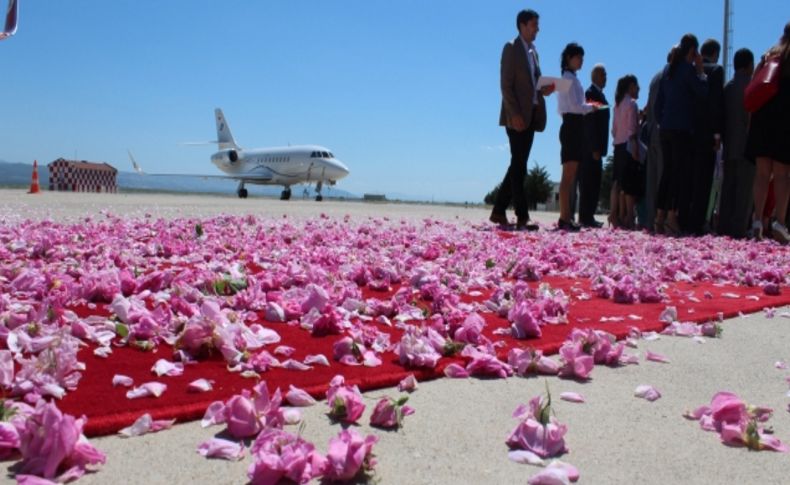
{"points": [[523, 113], [736, 192]]}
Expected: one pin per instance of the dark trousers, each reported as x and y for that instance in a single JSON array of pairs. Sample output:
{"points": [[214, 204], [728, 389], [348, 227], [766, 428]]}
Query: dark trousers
{"points": [[677, 148], [737, 199], [589, 187], [695, 192], [512, 187]]}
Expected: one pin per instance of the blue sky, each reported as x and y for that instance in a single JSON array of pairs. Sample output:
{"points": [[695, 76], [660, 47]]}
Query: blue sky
{"points": [[405, 93]]}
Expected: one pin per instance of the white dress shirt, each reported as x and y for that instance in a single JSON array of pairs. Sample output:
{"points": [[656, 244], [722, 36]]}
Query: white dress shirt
{"points": [[572, 101]]}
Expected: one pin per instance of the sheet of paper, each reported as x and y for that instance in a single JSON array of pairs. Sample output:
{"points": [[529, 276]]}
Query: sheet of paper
{"points": [[561, 85]]}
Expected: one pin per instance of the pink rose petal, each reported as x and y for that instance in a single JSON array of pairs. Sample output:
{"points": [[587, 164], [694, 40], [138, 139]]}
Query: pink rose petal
{"points": [[655, 357], [647, 392], [121, 380], [456, 371], [572, 397], [200, 385], [153, 389], [223, 449]]}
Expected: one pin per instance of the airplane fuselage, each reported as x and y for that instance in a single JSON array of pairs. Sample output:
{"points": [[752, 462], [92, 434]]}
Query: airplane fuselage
{"points": [[281, 165]]}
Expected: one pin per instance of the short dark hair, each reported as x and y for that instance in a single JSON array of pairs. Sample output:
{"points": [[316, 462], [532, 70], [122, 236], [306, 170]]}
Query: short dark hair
{"points": [[688, 43], [710, 48], [571, 50], [525, 16], [743, 59]]}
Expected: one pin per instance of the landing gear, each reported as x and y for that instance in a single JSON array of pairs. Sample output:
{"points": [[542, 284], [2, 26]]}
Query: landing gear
{"points": [[241, 192], [318, 197], [286, 194]]}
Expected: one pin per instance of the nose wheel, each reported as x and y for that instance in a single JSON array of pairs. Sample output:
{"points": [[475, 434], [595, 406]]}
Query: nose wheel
{"points": [[286, 194], [318, 196], [241, 191]]}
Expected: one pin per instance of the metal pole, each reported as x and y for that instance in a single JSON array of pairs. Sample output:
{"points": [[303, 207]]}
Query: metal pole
{"points": [[726, 47]]}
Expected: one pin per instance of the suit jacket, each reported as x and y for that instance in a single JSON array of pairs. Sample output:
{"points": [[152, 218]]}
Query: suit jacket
{"points": [[652, 115], [710, 108], [736, 119], [597, 123], [518, 90]]}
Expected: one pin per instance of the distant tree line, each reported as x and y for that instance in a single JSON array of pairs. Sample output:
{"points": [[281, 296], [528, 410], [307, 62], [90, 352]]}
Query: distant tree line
{"points": [[538, 186]]}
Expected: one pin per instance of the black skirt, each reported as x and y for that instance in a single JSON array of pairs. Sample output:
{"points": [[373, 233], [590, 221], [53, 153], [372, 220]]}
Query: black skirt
{"points": [[628, 173], [572, 138], [769, 131]]}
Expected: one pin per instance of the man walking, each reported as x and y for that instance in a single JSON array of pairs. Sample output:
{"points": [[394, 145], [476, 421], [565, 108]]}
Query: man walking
{"points": [[597, 139], [523, 113]]}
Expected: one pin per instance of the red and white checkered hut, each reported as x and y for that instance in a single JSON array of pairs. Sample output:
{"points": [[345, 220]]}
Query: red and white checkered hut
{"points": [[82, 176]]}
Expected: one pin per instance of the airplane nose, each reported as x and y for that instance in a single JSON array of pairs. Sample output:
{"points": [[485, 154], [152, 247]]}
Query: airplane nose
{"points": [[340, 169]]}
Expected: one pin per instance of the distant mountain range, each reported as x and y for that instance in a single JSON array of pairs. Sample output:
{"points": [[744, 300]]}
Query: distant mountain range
{"points": [[18, 175]]}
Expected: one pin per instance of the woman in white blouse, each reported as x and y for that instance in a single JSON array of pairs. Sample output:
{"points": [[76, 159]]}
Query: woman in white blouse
{"points": [[572, 107]]}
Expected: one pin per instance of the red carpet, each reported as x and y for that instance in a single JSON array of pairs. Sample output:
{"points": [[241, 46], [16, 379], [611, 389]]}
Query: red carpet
{"points": [[109, 410]]}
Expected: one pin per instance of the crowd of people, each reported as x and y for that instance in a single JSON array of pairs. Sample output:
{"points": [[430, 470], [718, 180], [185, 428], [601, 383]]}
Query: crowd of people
{"points": [[692, 161]]}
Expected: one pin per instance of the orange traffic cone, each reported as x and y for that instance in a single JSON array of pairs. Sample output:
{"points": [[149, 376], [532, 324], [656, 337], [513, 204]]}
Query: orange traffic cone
{"points": [[34, 189]]}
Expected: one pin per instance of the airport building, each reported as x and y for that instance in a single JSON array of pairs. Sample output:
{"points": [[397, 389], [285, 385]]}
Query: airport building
{"points": [[82, 176]]}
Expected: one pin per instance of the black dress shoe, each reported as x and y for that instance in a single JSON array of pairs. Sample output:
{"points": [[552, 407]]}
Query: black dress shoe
{"points": [[500, 219], [592, 224], [526, 225], [567, 226]]}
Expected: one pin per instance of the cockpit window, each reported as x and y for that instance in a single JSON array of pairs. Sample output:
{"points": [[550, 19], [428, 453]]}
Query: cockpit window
{"points": [[330, 155], [324, 154]]}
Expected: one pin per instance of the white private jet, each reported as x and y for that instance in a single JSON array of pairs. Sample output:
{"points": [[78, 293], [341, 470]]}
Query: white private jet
{"points": [[11, 18], [286, 166]]}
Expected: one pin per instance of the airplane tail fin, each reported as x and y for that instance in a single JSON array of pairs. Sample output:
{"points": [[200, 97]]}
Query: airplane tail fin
{"points": [[12, 16], [134, 163], [224, 136]]}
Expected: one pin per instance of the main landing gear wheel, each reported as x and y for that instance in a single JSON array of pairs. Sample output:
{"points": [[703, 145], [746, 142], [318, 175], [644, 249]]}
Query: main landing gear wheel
{"points": [[286, 194], [242, 193], [318, 198]]}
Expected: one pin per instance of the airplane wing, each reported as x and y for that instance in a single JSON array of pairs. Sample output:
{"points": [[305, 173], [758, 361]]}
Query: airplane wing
{"points": [[11, 19], [263, 175]]}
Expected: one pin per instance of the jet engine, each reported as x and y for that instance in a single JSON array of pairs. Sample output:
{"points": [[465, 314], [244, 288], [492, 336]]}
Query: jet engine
{"points": [[226, 157]]}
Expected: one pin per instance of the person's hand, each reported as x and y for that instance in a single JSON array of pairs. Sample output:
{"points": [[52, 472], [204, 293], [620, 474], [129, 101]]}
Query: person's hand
{"points": [[635, 154], [596, 155], [716, 143], [547, 90], [517, 123]]}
